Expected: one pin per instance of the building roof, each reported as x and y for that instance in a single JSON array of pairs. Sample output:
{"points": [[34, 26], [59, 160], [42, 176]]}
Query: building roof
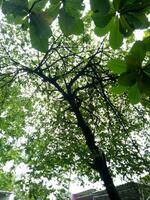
{"points": [[4, 193], [131, 190]]}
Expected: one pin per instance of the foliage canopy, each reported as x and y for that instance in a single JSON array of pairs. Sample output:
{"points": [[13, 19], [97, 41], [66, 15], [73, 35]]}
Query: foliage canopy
{"points": [[70, 101]]}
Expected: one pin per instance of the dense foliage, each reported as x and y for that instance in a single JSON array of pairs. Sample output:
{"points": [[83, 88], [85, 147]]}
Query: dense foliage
{"points": [[119, 17], [74, 101]]}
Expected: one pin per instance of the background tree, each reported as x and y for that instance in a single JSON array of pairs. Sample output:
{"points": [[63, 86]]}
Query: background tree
{"points": [[75, 74]]}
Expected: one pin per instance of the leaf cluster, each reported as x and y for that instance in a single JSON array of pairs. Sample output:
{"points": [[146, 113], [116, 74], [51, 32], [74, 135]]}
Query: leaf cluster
{"points": [[119, 17]]}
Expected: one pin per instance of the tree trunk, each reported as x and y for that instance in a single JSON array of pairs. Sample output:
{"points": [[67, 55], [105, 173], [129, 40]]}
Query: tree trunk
{"points": [[102, 168], [99, 162]]}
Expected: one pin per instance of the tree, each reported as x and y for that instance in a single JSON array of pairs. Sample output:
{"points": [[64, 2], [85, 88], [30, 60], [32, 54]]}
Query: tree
{"points": [[145, 179], [78, 71], [6, 181]]}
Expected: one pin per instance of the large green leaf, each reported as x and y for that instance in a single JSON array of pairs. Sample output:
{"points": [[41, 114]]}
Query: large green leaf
{"points": [[73, 7], [127, 79], [100, 6], [147, 71], [15, 19], [101, 20], [117, 66], [116, 4], [1, 1], [132, 15], [135, 5], [39, 32], [115, 38], [134, 94], [146, 43], [124, 26], [54, 1], [123, 3], [144, 84], [15, 7], [70, 25], [136, 56], [137, 20], [38, 5], [118, 89], [51, 13], [132, 62], [102, 31]]}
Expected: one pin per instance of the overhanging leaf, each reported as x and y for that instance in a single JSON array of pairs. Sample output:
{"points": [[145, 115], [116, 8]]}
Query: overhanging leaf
{"points": [[100, 6], [127, 79], [51, 13], [137, 20], [133, 5], [70, 25], [39, 32], [15, 7], [73, 7], [123, 3], [101, 20], [144, 84], [136, 56], [1, 1], [134, 94], [124, 26], [117, 66], [15, 19], [146, 43], [102, 31], [38, 5], [115, 38], [116, 4], [147, 71], [118, 89], [54, 1]]}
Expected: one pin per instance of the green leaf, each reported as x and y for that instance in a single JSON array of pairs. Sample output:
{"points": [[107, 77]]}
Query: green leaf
{"points": [[144, 84], [136, 56], [70, 25], [1, 2], [124, 26], [117, 66], [51, 13], [132, 62], [123, 3], [115, 38], [116, 4], [127, 79], [39, 32], [73, 7], [146, 43], [101, 31], [38, 5], [137, 20], [100, 6], [147, 71], [25, 24], [14, 19], [15, 7], [54, 1], [131, 5], [134, 94], [101, 20], [118, 89]]}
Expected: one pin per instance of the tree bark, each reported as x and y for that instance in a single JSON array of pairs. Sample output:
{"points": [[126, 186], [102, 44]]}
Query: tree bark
{"points": [[99, 161]]}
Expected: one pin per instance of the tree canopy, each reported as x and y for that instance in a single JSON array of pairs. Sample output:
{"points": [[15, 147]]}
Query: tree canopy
{"points": [[119, 17], [74, 103]]}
